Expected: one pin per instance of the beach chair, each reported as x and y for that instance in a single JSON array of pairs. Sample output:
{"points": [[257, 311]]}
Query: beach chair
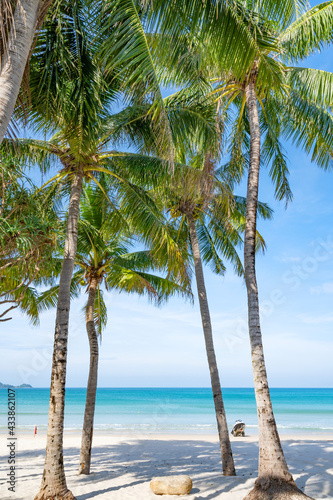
{"points": [[238, 429]]}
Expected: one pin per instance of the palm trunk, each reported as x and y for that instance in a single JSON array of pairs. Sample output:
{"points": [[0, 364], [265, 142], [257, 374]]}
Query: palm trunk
{"points": [[15, 58], [88, 423], [54, 482], [274, 475], [222, 426]]}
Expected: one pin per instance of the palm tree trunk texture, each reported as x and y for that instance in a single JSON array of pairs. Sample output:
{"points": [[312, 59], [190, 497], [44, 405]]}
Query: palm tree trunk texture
{"points": [[273, 470], [54, 482], [88, 423], [222, 426], [15, 58]]}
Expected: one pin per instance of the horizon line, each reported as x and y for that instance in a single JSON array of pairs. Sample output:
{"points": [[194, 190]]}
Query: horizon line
{"points": [[174, 387]]}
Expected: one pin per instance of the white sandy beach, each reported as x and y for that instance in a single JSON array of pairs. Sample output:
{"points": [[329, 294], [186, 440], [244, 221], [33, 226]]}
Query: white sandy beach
{"points": [[122, 466]]}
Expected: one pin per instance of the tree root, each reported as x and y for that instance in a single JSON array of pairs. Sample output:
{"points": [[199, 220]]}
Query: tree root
{"points": [[84, 470], [275, 489], [42, 495]]}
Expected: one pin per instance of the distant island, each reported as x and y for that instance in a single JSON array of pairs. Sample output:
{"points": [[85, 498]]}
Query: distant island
{"points": [[22, 386]]}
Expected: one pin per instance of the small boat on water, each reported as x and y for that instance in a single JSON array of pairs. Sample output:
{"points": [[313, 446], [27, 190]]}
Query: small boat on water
{"points": [[238, 429]]}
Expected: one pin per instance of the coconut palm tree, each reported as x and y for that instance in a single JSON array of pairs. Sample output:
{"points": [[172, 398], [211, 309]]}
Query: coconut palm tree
{"points": [[19, 21], [103, 257], [190, 188], [296, 120], [275, 100], [134, 203], [204, 210], [78, 92], [64, 55]]}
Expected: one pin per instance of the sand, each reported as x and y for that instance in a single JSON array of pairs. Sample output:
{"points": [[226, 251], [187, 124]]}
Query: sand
{"points": [[122, 466]]}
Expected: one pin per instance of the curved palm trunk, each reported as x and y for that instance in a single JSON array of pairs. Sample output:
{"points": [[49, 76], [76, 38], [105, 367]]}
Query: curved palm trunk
{"points": [[274, 475], [88, 423], [54, 482], [16, 57], [222, 426]]}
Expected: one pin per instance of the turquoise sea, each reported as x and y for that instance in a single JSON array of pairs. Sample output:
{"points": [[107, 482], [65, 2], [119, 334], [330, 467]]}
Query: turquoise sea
{"points": [[173, 410]]}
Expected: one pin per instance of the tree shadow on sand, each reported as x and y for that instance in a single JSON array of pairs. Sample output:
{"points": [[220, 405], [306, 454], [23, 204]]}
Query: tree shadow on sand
{"points": [[133, 462], [309, 461]]}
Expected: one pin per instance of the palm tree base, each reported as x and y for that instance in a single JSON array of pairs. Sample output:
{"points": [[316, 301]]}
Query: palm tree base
{"points": [[44, 495], [275, 489], [229, 473], [84, 470]]}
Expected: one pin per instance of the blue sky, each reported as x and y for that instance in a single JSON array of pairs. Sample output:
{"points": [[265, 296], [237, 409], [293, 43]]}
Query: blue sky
{"points": [[164, 347]]}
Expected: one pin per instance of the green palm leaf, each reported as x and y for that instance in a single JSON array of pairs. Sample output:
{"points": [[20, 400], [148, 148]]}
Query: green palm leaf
{"points": [[124, 49], [310, 32], [313, 84]]}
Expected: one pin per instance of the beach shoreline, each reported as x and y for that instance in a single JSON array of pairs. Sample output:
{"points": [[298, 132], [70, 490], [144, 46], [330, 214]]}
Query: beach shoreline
{"points": [[209, 436], [123, 465]]}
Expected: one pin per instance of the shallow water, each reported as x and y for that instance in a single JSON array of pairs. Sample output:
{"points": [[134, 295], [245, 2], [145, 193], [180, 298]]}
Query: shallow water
{"points": [[175, 410]]}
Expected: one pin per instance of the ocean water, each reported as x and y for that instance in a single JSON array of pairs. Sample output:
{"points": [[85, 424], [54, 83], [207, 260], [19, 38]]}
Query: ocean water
{"points": [[173, 410]]}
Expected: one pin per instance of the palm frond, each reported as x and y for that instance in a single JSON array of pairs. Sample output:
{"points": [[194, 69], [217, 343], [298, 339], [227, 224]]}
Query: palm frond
{"points": [[313, 84], [310, 32], [272, 151], [156, 288], [100, 312], [208, 251], [283, 12], [310, 126], [48, 299], [125, 50]]}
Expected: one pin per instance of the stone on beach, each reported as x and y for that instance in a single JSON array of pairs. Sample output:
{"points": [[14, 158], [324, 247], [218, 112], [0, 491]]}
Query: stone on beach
{"points": [[171, 485]]}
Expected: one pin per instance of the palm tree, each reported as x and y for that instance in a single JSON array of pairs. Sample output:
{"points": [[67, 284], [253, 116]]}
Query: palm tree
{"points": [[273, 100], [64, 55], [64, 69], [19, 21], [191, 203], [188, 191], [273, 471], [204, 210], [103, 257]]}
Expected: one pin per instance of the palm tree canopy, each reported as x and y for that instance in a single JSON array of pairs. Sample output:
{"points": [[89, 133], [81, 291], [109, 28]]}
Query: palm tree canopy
{"points": [[104, 254], [295, 103], [127, 31], [202, 190], [28, 237]]}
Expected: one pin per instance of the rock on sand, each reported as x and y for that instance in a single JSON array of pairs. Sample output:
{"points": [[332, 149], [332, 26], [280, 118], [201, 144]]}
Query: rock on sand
{"points": [[171, 485]]}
